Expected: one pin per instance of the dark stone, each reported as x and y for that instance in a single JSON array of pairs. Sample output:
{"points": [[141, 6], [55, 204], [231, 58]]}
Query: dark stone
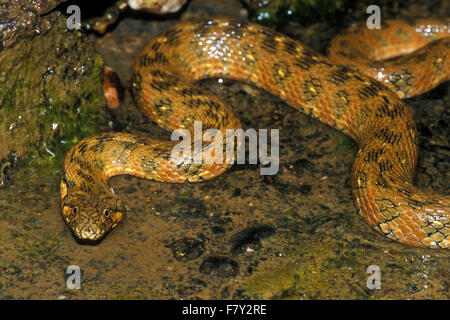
{"points": [[250, 237], [237, 192], [218, 229], [219, 266], [187, 249]]}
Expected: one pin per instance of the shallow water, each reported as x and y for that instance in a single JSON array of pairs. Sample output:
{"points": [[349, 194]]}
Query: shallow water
{"points": [[241, 235]]}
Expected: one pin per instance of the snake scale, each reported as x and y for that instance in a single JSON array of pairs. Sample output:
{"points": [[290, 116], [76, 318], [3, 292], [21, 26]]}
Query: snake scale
{"points": [[334, 89]]}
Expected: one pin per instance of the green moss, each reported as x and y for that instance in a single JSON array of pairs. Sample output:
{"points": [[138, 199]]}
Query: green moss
{"points": [[50, 89], [271, 280], [311, 268]]}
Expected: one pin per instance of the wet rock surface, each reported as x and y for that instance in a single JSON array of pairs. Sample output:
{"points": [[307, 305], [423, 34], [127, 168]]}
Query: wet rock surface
{"points": [[297, 234], [219, 266], [50, 88], [250, 238], [187, 249]]}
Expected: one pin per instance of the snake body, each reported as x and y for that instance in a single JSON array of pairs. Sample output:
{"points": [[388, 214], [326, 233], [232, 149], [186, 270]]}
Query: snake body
{"points": [[333, 90]]}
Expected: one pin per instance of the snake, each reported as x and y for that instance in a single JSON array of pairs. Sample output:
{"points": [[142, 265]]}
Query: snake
{"points": [[356, 89]]}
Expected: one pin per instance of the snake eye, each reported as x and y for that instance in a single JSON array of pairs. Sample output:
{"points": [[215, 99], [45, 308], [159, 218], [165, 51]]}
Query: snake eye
{"points": [[75, 210], [106, 213]]}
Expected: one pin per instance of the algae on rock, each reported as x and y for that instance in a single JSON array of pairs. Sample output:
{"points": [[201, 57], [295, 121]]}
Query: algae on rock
{"points": [[50, 83]]}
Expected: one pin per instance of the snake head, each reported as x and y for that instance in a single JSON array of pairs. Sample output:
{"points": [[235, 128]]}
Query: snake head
{"points": [[91, 217]]}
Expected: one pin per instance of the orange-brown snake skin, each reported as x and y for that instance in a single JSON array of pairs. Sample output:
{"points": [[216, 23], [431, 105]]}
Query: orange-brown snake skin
{"points": [[330, 89]]}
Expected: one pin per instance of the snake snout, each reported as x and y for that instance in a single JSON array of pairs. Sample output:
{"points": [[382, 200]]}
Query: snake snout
{"points": [[88, 231]]}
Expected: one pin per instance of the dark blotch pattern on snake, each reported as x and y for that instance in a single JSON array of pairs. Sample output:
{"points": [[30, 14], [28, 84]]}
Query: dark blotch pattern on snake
{"points": [[334, 90]]}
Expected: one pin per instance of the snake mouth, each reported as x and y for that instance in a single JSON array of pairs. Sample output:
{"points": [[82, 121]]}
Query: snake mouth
{"points": [[93, 239], [88, 242]]}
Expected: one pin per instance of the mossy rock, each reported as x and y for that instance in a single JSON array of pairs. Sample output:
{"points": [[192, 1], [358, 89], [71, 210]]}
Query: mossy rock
{"points": [[50, 84]]}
